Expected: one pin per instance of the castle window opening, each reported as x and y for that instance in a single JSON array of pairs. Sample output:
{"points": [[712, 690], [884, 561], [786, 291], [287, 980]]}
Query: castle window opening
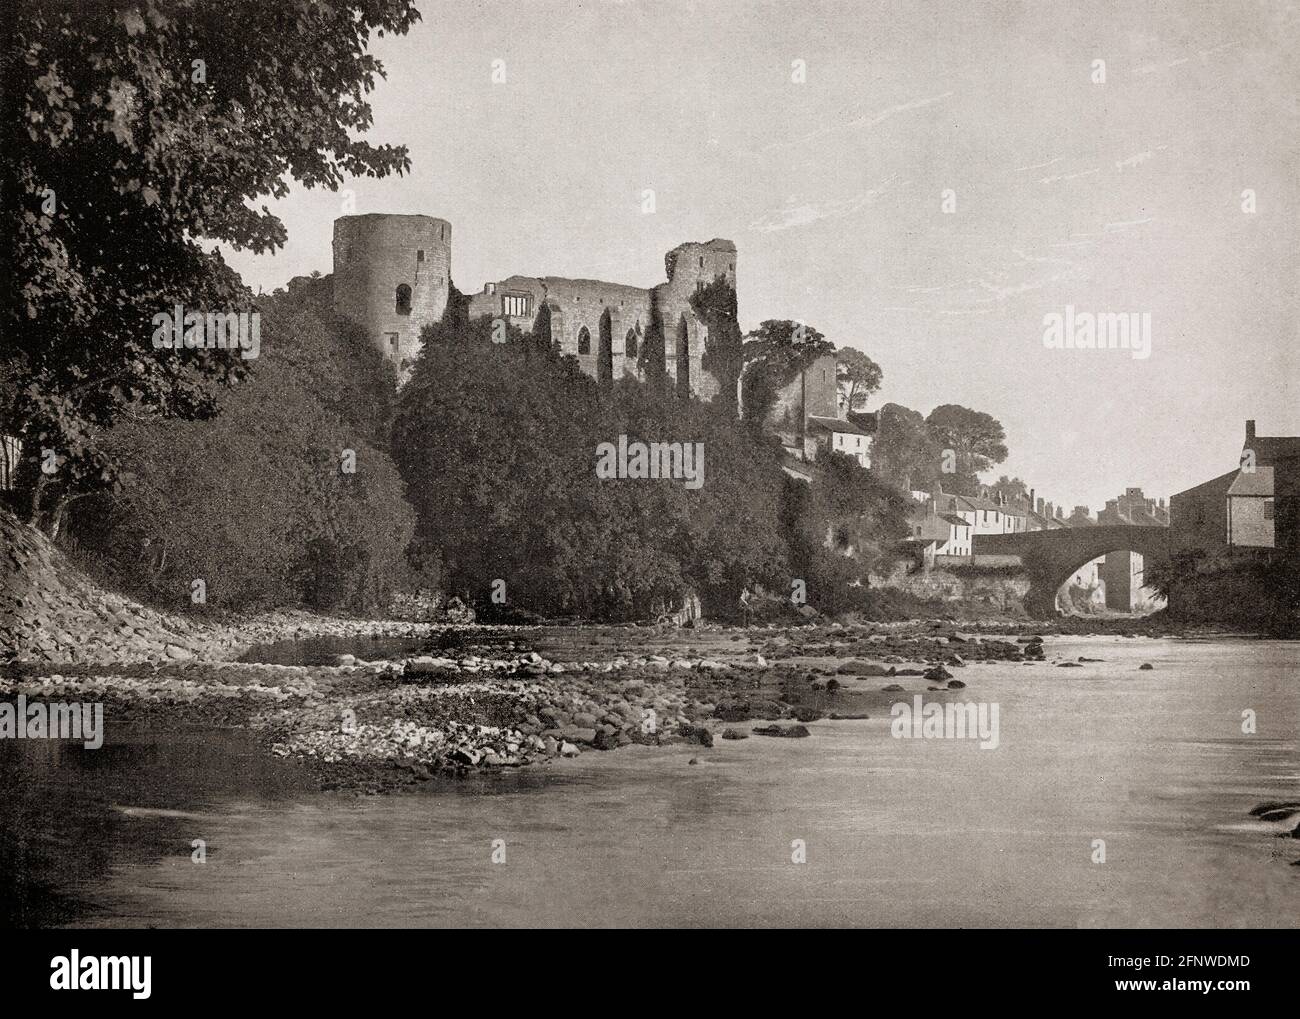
{"points": [[403, 302], [392, 340], [701, 261], [515, 304], [419, 255], [629, 344], [584, 341]]}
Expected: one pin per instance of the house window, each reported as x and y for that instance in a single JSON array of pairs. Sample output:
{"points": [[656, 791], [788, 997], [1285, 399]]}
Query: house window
{"points": [[515, 304], [584, 341], [403, 302], [1268, 509], [419, 255]]}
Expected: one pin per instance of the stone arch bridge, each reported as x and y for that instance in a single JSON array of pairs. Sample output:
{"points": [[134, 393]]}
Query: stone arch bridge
{"points": [[1051, 557]]}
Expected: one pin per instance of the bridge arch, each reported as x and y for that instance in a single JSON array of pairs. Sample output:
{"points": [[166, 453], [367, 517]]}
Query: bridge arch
{"points": [[1050, 558]]}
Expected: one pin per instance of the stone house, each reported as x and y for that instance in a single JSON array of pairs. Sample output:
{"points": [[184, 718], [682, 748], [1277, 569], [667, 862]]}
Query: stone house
{"points": [[1255, 506]]}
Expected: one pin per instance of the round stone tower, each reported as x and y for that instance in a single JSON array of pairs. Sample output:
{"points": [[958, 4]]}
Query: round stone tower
{"points": [[391, 277]]}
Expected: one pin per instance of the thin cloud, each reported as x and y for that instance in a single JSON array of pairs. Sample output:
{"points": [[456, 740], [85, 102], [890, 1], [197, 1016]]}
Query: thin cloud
{"points": [[793, 216], [1117, 227], [1166, 65], [858, 123], [1069, 176], [1038, 166]]}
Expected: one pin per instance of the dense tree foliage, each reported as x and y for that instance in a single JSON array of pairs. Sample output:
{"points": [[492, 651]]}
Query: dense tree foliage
{"points": [[842, 527], [715, 304], [904, 453], [976, 441], [858, 377], [1014, 489], [261, 503], [497, 443], [774, 354], [132, 134]]}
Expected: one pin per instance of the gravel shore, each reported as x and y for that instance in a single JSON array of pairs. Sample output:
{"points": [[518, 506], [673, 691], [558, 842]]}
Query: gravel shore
{"points": [[503, 697]]}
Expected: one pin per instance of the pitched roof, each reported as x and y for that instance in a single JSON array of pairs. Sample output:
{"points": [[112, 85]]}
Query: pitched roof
{"points": [[835, 425], [1271, 448], [1256, 482], [868, 421]]}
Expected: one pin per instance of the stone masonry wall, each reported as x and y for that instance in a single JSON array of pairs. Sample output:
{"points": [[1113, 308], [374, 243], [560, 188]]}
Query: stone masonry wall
{"points": [[373, 256]]}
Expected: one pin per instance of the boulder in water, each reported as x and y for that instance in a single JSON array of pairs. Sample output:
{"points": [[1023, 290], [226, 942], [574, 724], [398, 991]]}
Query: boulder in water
{"points": [[786, 731]]}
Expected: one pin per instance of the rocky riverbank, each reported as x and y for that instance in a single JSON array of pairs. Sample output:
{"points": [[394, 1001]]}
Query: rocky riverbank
{"points": [[505, 697]]}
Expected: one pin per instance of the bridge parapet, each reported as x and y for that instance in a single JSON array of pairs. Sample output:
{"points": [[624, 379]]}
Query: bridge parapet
{"points": [[1051, 557]]}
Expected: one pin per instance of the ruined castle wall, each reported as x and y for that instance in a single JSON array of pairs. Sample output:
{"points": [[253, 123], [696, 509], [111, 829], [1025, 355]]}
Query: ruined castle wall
{"points": [[811, 393], [373, 256], [690, 267], [574, 304]]}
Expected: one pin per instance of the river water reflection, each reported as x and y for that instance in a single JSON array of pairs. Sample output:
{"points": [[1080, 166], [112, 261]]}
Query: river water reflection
{"points": [[897, 832]]}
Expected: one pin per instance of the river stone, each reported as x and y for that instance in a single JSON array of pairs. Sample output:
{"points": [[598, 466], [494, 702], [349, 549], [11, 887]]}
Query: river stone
{"points": [[1271, 805], [786, 731], [696, 734]]}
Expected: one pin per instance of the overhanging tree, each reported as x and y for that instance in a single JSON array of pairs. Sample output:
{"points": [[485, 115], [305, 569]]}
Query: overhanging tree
{"points": [[133, 134]]}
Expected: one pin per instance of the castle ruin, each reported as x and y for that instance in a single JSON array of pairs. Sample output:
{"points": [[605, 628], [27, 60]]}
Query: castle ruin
{"points": [[392, 275]]}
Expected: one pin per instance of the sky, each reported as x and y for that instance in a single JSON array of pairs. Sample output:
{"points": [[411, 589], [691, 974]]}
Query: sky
{"points": [[823, 138]]}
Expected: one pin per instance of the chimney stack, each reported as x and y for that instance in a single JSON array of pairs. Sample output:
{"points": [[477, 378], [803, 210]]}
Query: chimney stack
{"points": [[1250, 430]]}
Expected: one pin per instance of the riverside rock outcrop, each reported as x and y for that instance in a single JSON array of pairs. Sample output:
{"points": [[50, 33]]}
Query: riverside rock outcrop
{"points": [[50, 612]]}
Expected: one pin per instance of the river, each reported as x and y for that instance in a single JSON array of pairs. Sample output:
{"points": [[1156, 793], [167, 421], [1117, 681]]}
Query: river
{"points": [[895, 832]]}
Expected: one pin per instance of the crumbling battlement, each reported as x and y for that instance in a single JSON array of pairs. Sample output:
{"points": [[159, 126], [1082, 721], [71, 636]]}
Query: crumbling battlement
{"points": [[392, 273]]}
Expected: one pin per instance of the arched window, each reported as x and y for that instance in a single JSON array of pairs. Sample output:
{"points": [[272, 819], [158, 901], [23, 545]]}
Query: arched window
{"points": [[629, 344], [403, 300], [584, 341]]}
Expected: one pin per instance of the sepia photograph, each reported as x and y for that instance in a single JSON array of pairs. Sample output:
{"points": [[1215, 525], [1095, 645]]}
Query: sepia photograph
{"points": [[651, 464]]}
